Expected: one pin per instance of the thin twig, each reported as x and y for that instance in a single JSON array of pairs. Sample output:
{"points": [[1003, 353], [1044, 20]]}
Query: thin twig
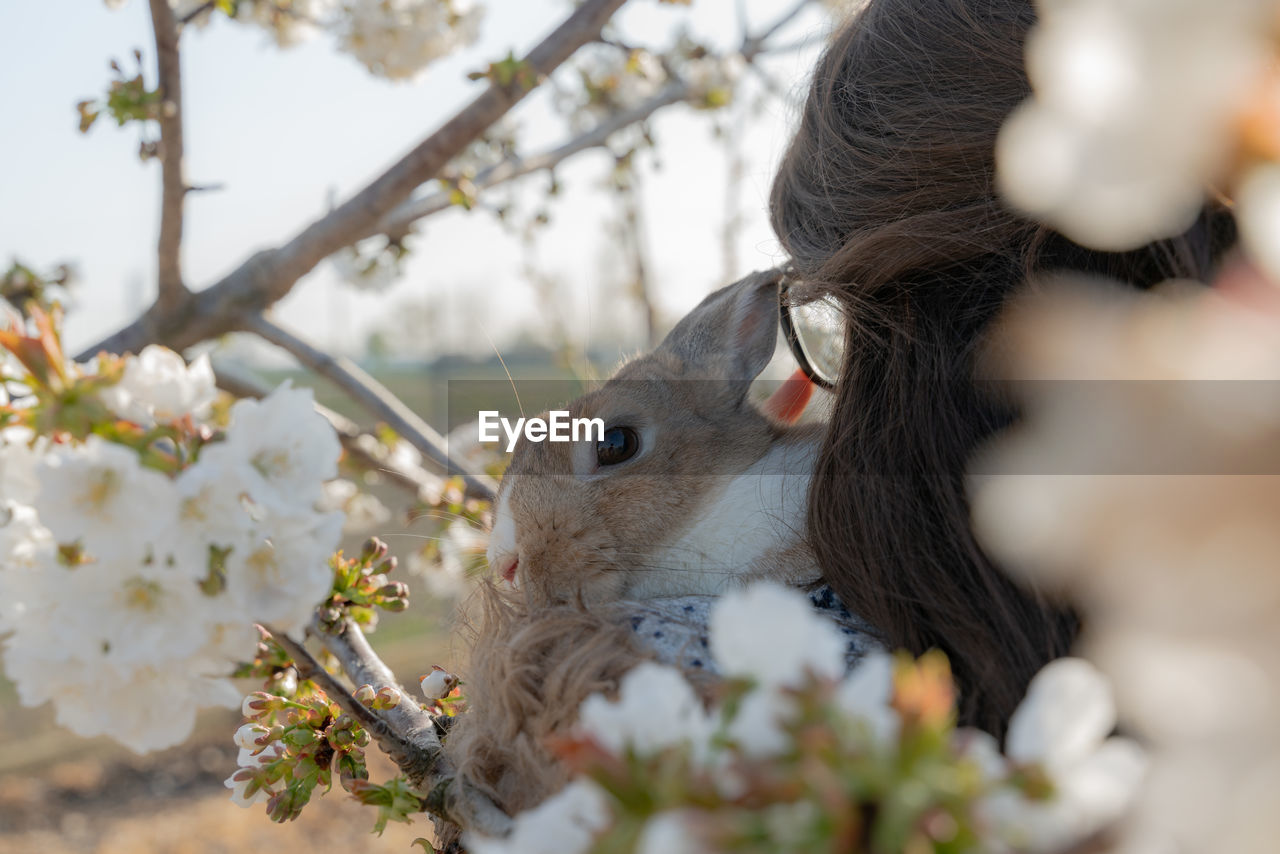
{"points": [[173, 185], [268, 275], [197, 12], [399, 220], [755, 44], [374, 397]]}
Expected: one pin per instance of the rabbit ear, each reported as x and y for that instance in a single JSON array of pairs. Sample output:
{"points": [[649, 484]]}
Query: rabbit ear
{"points": [[731, 335]]}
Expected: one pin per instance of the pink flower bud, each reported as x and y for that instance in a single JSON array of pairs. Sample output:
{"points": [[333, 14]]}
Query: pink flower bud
{"points": [[365, 694]]}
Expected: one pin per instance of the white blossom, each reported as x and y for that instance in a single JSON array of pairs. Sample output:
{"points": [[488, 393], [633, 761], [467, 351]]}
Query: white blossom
{"points": [[239, 784], [711, 78], [669, 832], [565, 823], [865, 694], [656, 708], [1062, 725], [18, 465], [280, 571], [159, 386], [397, 39], [27, 550], [1132, 114], [280, 448], [145, 708], [131, 631], [211, 506], [769, 633], [89, 494]]}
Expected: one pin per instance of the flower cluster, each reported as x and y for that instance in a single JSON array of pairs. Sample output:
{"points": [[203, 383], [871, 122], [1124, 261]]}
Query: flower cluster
{"points": [[289, 745], [798, 756], [395, 39], [1138, 108], [398, 38], [139, 542], [612, 80]]}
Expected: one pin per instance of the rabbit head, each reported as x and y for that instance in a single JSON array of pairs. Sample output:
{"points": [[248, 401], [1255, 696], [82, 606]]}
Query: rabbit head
{"points": [[690, 486]]}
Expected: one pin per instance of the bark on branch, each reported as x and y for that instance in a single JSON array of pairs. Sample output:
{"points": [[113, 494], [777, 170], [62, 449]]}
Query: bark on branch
{"points": [[173, 183], [406, 733], [269, 274], [376, 398]]}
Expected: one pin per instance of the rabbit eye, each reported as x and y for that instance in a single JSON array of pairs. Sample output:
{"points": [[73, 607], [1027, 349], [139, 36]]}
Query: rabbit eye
{"points": [[618, 445]]}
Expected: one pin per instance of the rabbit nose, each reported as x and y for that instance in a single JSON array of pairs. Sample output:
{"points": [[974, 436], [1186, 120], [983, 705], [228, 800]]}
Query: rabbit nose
{"points": [[505, 565]]}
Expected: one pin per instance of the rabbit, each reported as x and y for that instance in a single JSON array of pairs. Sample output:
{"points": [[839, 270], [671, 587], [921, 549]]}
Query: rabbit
{"points": [[691, 489]]}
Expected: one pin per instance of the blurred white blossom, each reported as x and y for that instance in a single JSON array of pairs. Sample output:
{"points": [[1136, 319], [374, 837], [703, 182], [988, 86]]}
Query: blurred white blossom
{"points": [[1146, 489], [397, 39], [363, 510], [1132, 116], [656, 708], [91, 493], [1062, 726], [565, 823], [795, 644], [158, 385], [1059, 734]]}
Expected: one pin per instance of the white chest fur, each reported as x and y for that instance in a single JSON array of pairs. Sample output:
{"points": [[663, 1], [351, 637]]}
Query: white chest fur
{"points": [[752, 526]]}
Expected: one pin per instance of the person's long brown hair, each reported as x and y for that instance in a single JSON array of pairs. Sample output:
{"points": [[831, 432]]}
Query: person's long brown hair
{"points": [[886, 200]]}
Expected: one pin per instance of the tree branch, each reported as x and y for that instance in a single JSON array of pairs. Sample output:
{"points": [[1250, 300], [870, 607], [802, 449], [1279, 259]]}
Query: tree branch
{"points": [[374, 397], [173, 184], [269, 274], [364, 449], [406, 733], [399, 220]]}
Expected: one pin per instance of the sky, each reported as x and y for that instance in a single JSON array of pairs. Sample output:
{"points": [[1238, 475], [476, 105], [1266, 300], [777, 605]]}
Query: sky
{"points": [[286, 131]]}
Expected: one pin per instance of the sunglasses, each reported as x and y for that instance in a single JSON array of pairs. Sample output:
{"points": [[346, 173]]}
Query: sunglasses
{"points": [[815, 333]]}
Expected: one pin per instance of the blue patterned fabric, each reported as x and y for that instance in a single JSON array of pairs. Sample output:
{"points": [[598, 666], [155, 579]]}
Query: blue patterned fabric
{"points": [[674, 629]]}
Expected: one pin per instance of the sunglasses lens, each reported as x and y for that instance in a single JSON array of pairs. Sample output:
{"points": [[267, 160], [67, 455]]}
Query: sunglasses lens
{"points": [[819, 329]]}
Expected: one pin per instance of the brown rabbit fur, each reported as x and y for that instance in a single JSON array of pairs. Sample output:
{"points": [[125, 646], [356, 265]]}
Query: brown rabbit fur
{"points": [[530, 669]]}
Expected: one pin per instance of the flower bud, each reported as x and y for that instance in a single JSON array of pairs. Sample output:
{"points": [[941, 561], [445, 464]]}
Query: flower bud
{"points": [[300, 737], [438, 683], [365, 695], [394, 590], [250, 736], [259, 702], [373, 551], [388, 698]]}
